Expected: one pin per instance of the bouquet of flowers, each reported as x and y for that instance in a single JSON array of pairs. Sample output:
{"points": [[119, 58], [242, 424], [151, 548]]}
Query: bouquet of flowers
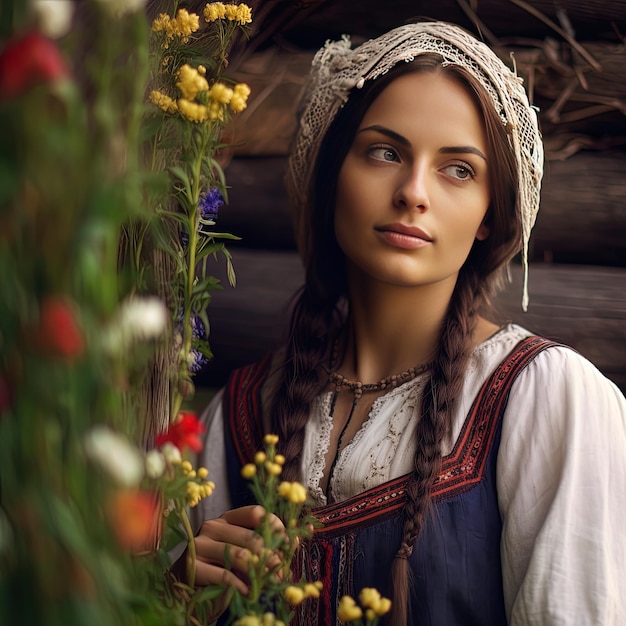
{"points": [[110, 185]]}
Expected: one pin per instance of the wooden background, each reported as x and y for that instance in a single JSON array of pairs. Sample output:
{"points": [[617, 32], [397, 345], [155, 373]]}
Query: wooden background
{"points": [[574, 61]]}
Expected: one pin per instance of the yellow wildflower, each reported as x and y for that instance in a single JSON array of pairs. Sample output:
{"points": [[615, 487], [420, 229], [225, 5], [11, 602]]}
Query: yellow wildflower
{"points": [[185, 24], [294, 492], [231, 11], [311, 590], [280, 459], [221, 93], [294, 595], [248, 471], [238, 104], [193, 111], [164, 102], [207, 488], [190, 82], [370, 615], [216, 111], [371, 599], [270, 440], [214, 11], [260, 458], [384, 606], [249, 620], [273, 469], [244, 14], [348, 611], [186, 466], [203, 472], [163, 23]]}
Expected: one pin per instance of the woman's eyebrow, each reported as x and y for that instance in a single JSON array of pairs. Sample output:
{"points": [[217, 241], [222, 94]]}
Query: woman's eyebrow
{"points": [[462, 150], [392, 134], [383, 130]]}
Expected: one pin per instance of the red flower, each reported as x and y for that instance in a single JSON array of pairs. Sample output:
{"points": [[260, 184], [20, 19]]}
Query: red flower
{"points": [[135, 517], [184, 432], [28, 60], [6, 396], [58, 332]]}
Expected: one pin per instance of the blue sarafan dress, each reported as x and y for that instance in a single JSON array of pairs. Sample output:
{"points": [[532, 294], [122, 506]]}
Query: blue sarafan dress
{"points": [[455, 564]]}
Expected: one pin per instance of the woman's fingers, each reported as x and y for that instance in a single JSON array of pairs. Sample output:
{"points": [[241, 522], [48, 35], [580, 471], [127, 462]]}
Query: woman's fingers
{"points": [[231, 538], [209, 574]]}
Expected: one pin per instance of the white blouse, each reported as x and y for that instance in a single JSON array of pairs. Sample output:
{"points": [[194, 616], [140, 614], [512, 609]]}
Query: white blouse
{"points": [[561, 476]]}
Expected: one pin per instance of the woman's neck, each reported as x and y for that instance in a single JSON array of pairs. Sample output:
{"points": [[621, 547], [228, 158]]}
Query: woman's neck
{"points": [[391, 329]]}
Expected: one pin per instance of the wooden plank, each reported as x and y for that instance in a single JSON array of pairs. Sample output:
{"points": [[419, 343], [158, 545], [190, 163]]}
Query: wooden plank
{"points": [[582, 306]]}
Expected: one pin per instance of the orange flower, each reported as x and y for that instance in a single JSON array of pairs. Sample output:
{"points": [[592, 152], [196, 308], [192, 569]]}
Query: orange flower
{"points": [[135, 517]]}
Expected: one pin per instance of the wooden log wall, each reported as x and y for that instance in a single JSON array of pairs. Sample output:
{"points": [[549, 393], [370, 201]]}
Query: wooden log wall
{"points": [[574, 61]]}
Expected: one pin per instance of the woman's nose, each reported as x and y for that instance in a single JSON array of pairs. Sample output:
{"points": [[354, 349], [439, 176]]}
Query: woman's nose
{"points": [[412, 191]]}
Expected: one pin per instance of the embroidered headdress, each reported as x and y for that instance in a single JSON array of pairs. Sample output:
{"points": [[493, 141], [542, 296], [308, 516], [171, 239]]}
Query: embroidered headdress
{"points": [[337, 69]]}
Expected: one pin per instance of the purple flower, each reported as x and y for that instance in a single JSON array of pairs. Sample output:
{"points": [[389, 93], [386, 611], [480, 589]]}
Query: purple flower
{"points": [[196, 360], [210, 203]]}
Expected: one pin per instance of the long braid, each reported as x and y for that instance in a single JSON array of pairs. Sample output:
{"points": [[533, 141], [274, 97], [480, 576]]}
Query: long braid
{"points": [[437, 407], [314, 321]]}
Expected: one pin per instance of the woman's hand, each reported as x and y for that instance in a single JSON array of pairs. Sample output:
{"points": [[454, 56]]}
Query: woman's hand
{"points": [[232, 534]]}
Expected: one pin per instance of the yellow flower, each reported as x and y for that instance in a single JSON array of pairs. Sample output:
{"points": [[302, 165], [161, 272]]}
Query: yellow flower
{"points": [[294, 492], [248, 471], [231, 11], [311, 590], [369, 615], [185, 24], [294, 595], [207, 488], [190, 82], [214, 11], [280, 459], [186, 466], [203, 472], [193, 111], [260, 458], [371, 599], [384, 606], [163, 102], [348, 611], [249, 620], [221, 93], [273, 469], [162, 23], [270, 440], [237, 104], [244, 14]]}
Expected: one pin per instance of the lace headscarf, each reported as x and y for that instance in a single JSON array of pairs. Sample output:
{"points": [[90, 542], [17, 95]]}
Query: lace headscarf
{"points": [[337, 69]]}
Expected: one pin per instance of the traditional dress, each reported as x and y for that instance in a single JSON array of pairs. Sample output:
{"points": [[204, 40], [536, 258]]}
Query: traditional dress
{"points": [[526, 524]]}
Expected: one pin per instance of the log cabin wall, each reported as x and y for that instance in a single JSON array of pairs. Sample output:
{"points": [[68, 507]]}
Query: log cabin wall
{"points": [[573, 58]]}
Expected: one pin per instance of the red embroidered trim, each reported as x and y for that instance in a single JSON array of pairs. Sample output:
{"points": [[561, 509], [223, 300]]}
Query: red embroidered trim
{"points": [[461, 469]]}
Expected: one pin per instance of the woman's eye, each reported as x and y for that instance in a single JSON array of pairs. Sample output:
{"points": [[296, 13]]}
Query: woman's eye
{"points": [[460, 172], [383, 154]]}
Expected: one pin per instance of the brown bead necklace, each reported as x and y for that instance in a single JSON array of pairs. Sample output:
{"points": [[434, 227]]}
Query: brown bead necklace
{"points": [[341, 383]]}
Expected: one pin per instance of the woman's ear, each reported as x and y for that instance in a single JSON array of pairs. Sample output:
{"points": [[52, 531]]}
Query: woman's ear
{"points": [[483, 231]]}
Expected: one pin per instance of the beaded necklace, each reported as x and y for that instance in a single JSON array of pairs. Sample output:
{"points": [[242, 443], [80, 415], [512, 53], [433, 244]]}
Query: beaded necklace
{"points": [[341, 383]]}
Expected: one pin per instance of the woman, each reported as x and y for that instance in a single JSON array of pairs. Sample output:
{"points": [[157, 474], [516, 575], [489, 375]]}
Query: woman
{"points": [[475, 473]]}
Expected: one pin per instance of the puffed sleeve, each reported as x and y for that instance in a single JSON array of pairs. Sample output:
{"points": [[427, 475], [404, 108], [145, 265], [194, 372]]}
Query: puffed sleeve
{"points": [[562, 495]]}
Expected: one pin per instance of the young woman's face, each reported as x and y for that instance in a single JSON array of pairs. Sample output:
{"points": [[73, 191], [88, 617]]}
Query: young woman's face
{"points": [[413, 190]]}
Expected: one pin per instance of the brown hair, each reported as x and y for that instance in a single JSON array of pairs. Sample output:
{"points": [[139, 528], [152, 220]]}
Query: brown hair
{"points": [[319, 309]]}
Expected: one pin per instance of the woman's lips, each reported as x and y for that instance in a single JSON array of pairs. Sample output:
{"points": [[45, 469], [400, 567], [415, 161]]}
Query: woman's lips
{"points": [[402, 236]]}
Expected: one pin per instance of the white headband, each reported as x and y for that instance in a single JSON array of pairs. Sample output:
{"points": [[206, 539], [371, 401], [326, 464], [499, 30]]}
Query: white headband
{"points": [[337, 69]]}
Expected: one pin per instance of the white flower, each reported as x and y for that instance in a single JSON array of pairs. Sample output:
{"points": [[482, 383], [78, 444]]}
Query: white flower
{"points": [[137, 319], [121, 7], [54, 16], [155, 463], [171, 452], [115, 454], [143, 318]]}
